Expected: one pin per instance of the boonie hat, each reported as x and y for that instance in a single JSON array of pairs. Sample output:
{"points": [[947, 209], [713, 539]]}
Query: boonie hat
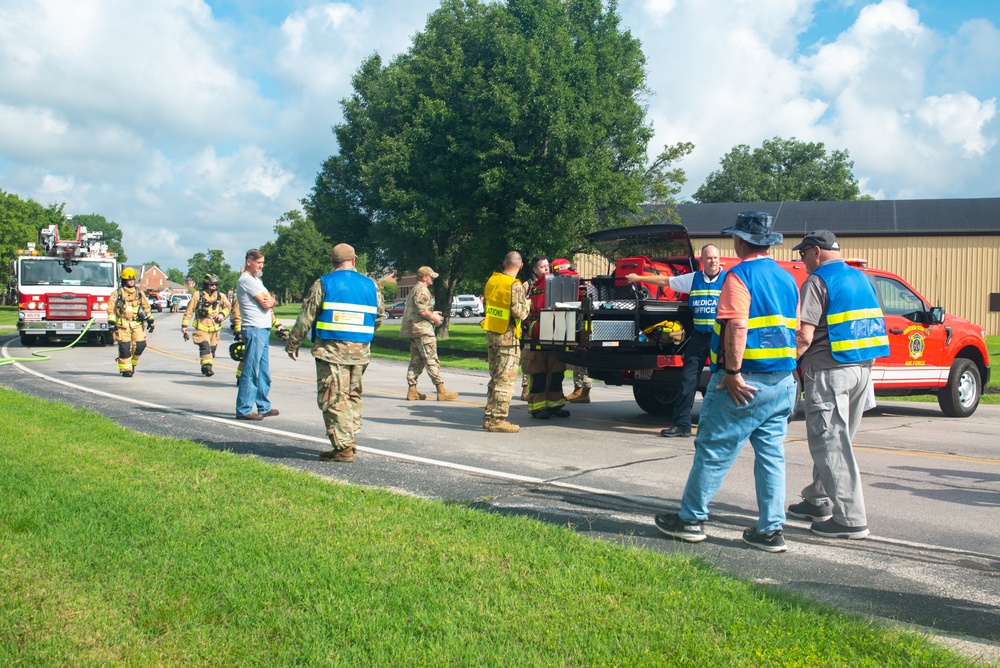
{"points": [[824, 239], [343, 253], [754, 227], [426, 271]]}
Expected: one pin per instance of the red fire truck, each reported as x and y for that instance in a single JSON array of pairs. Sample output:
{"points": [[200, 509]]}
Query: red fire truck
{"points": [[635, 334], [62, 285]]}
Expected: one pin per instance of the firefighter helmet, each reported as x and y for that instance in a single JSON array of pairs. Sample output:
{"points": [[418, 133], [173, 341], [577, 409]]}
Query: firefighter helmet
{"points": [[128, 273], [236, 351], [210, 279]]}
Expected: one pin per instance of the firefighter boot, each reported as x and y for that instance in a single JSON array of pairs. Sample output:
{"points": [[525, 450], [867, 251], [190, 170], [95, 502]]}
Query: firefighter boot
{"points": [[581, 395], [501, 427], [207, 370], [445, 395], [413, 395]]}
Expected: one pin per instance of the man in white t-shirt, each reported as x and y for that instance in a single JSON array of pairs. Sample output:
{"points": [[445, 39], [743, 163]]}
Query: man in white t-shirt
{"points": [[255, 328], [703, 288]]}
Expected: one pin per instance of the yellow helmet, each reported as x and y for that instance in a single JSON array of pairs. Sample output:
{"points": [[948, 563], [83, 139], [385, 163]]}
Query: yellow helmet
{"points": [[128, 273]]}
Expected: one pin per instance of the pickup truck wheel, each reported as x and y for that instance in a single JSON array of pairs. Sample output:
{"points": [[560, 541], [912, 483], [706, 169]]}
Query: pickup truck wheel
{"points": [[960, 397], [466, 312], [654, 400]]}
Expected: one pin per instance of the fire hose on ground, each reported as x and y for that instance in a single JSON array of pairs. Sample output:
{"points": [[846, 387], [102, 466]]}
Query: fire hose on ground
{"points": [[40, 356]]}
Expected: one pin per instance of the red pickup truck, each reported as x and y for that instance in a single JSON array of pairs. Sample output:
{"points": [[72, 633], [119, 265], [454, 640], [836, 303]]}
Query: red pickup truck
{"points": [[931, 352]]}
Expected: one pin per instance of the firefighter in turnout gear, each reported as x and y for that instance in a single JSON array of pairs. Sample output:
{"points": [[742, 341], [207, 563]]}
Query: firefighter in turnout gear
{"points": [[206, 312], [129, 310]]}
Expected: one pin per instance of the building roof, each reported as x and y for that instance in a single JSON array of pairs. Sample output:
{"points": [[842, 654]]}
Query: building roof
{"points": [[930, 217]]}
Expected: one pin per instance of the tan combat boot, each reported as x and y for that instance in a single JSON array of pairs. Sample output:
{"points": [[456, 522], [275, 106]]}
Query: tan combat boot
{"points": [[413, 395], [501, 427], [445, 395], [575, 394], [581, 395], [342, 455]]}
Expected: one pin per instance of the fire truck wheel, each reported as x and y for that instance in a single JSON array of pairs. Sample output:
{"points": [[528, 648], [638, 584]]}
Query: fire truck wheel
{"points": [[654, 400], [26, 340], [960, 397]]}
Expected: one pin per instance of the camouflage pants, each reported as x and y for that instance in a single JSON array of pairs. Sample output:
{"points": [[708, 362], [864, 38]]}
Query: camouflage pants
{"points": [[131, 342], [338, 393], [503, 374], [580, 376], [207, 342], [423, 354]]}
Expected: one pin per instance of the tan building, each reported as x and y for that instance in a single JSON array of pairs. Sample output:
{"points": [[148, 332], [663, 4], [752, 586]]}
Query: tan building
{"points": [[948, 249]]}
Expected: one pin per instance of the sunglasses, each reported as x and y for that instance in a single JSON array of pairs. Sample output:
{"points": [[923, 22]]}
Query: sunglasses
{"points": [[802, 253]]}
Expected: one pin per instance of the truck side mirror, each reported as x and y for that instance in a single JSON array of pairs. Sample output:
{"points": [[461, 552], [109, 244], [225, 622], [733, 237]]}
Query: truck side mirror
{"points": [[937, 315]]}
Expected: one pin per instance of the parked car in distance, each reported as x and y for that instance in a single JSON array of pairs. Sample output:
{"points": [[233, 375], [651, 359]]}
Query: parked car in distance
{"points": [[395, 311], [467, 305]]}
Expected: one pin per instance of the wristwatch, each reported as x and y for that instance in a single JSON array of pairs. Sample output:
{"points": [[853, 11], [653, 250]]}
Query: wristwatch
{"points": [[734, 372]]}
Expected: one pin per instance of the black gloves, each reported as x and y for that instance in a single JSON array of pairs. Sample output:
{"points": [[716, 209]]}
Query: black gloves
{"points": [[149, 325], [282, 333]]}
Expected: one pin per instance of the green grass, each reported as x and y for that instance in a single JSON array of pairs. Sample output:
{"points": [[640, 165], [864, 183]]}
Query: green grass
{"points": [[8, 315], [118, 548]]}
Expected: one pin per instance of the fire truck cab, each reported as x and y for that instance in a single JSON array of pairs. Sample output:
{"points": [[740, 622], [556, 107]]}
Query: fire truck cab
{"points": [[62, 285]]}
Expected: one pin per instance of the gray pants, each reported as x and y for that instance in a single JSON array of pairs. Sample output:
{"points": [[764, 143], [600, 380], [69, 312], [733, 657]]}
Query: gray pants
{"points": [[834, 402]]}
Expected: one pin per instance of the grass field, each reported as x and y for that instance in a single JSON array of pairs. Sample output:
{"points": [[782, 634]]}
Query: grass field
{"points": [[124, 549]]}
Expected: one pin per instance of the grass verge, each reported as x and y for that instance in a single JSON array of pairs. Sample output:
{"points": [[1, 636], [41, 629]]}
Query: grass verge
{"points": [[125, 549], [8, 315]]}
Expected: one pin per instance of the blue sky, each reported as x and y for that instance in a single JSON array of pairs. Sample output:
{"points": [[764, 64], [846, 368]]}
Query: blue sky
{"points": [[196, 125]]}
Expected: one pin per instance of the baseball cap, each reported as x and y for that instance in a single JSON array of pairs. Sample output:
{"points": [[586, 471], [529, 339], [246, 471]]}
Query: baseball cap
{"points": [[824, 239], [426, 271], [343, 253]]}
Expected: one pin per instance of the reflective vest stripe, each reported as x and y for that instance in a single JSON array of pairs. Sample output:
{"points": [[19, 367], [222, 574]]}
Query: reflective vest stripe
{"points": [[859, 344], [857, 314], [344, 327]]}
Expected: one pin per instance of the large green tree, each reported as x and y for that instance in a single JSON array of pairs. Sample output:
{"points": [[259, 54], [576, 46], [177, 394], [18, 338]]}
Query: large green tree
{"points": [[111, 234], [782, 170], [296, 258], [20, 221], [513, 125]]}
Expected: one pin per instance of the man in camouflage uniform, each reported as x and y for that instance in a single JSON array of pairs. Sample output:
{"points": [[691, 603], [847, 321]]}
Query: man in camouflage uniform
{"points": [[503, 348], [419, 321], [342, 311], [129, 310], [206, 311]]}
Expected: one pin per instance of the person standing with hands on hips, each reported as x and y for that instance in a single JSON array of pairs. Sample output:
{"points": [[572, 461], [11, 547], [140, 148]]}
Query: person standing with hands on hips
{"points": [[841, 331], [342, 310], [255, 331], [703, 289], [752, 390], [419, 321]]}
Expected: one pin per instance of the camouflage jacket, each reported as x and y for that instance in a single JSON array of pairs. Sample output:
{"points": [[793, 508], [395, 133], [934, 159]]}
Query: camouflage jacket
{"points": [[333, 352], [414, 324]]}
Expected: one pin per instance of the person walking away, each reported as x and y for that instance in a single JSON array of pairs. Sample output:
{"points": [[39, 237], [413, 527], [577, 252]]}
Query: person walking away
{"points": [[703, 289], [841, 331], [130, 313], [419, 321], [506, 307], [206, 311], [341, 311], [752, 390], [255, 331]]}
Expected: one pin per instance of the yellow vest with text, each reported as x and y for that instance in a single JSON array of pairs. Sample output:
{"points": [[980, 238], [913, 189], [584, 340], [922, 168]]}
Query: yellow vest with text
{"points": [[498, 291]]}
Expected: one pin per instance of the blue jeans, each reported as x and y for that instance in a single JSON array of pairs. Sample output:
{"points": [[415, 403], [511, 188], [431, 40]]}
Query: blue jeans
{"points": [[255, 382], [723, 429]]}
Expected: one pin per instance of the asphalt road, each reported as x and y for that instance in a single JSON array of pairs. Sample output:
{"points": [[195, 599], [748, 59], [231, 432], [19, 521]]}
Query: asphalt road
{"points": [[932, 484]]}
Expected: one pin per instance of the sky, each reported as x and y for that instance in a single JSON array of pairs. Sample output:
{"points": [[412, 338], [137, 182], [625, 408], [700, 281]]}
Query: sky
{"points": [[196, 124]]}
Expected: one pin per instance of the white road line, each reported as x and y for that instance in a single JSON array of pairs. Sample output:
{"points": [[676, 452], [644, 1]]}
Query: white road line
{"points": [[501, 475]]}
